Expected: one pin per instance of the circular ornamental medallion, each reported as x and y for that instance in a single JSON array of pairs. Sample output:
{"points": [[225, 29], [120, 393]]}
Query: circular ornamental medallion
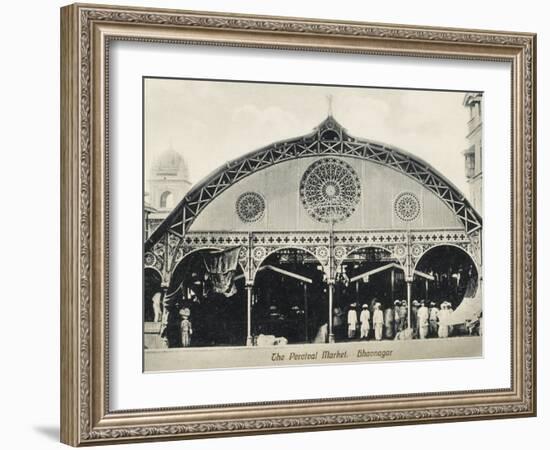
{"points": [[150, 260], [407, 206], [250, 206], [330, 190], [259, 253]]}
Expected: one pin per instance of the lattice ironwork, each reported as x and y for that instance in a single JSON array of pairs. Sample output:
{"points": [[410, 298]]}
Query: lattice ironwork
{"points": [[330, 190], [224, 239], [329, 139], [346, 243]]}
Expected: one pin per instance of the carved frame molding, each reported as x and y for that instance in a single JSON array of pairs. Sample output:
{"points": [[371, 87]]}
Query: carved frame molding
{"points": [[86, 31]]}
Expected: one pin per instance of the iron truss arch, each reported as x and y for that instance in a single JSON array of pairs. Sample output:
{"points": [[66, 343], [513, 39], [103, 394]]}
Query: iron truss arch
{"points": [[329, 138]]}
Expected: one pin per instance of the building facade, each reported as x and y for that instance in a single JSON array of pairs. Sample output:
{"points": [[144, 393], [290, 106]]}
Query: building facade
{"points": [[317, 223], [166, 184], [474, 153]]}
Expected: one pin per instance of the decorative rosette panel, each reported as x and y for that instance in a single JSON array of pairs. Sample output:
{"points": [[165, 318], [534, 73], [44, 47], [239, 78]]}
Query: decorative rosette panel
{"points": [[250, 207], [330, 190], [407, 206]]}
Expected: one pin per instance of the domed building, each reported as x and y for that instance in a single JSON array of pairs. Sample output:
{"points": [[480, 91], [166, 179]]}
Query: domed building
{"points": [[285, 240], [167, 182]]}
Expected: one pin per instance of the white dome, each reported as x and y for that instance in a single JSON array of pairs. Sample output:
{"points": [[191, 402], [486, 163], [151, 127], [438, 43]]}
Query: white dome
{"points": [[170, 163]]}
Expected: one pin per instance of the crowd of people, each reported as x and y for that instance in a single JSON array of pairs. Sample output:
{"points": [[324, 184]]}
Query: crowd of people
{"points": [[372, 321], [369, 321]]}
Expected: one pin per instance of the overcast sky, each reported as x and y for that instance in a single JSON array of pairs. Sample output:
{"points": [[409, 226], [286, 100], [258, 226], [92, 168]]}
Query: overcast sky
{"points": [[212, 122]]}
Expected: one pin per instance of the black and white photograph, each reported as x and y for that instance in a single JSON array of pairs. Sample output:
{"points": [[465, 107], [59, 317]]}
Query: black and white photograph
{"points": [[275, 224], [291, 224]]}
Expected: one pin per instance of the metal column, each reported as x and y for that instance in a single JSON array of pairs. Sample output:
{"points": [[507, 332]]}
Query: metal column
{"points": [[249, 288], [330, 300]]}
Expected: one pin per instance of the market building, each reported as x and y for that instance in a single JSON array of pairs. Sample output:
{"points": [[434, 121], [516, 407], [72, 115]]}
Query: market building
{"points": [[285, 240]]}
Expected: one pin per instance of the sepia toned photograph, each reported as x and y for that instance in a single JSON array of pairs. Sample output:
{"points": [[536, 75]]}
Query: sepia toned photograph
{"points": [[293, 224]]}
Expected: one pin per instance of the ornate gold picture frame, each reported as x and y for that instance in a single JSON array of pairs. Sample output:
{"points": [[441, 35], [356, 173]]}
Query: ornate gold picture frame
{"points": [[87, 31]]}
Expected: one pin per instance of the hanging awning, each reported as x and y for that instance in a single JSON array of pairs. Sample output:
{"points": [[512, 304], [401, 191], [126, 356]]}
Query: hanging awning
{"points": [[469, 310], [221, 267]]}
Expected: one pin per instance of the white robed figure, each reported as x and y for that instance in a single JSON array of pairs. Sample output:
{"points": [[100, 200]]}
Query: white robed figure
{"points": [[352, 321], [423, 321], [156, 307], [364, 318], [443, 330], [378, 322], [186, 327]]}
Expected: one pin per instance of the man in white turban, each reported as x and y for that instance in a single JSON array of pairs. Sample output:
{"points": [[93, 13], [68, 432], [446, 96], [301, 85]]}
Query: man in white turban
{"points": [[364, 318], [352, 321]]}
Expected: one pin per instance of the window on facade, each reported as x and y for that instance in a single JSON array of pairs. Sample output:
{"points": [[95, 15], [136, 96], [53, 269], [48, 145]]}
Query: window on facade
{"points": [[470, 161], [166, 200]]}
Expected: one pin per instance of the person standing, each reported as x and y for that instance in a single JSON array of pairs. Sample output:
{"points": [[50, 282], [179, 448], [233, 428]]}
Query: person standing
{"points": [[403, 312], [157, 310], [450, 311], [443, 331], [414, 314], [364, 318], [352, 321], [388, 323], [423, 321], [338, 325], [434, 313], [396, 317], [377, 322], [186, 328]]}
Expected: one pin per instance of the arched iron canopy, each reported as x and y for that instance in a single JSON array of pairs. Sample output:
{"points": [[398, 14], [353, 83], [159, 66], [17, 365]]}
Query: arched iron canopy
{"points": [[329, 138]]}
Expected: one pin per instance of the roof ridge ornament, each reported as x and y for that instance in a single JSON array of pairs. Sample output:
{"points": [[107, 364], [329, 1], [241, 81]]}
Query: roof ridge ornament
{"points": [[330, 123], [331, 130]]}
